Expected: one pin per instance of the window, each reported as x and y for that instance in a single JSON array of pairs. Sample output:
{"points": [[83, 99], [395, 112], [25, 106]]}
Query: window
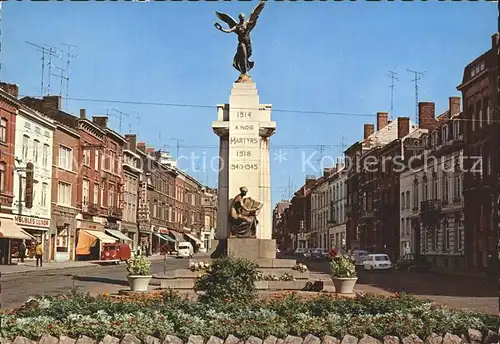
{"points": [[457, 187], [112, 162], [64, 193], [402, 229], [35, 189], [3, 167], [65, 157], [415, 193], [96, 194], [101, 199], [444, 134], [408, 227], [86, 157], [488, 112], [26, 140], [456, 128], [3, 130], [36, 147], [435, 187], [458, 237], [446, 233], [446, 186], [407, 199], [403, 200], [45, 156], [86, 191], [425, 186], [111, 196], [45, 188], [96, 159]]}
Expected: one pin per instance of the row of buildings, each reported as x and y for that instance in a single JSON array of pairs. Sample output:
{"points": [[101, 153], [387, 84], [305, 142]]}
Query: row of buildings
{"points": [[89, 184], [429, 188]]}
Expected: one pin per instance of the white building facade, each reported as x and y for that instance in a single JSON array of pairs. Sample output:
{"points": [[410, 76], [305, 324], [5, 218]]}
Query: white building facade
{"points": [[319, 213], [33, 143], [337, 205]]}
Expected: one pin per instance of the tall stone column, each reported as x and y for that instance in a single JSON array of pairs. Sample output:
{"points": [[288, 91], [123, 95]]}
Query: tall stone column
{"points": [[244, 127]]}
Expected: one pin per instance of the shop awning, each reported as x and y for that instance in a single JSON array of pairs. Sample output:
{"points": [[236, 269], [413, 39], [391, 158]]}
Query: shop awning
{"points": [[192, 237], [9, 229], [164, 237], [106, 239], [118, 234], [178, 236]]}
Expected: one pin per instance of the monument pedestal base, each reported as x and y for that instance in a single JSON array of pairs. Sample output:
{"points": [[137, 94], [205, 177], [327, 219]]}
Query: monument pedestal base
{"points": [[248, 248]]}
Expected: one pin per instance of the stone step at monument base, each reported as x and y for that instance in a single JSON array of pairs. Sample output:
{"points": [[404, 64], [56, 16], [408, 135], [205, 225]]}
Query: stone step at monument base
{"points": [[188, 283], [262, 263], [278, 272]]}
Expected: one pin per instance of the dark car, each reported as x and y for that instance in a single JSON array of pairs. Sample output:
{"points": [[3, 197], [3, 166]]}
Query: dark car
{"points": [[314, 253], [411, 262]]}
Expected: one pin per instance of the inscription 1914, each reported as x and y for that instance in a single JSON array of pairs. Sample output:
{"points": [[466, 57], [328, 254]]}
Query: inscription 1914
{"points": [[244, 114]]}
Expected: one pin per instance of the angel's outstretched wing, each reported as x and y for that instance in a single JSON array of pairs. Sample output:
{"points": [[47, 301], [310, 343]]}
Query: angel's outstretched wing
{"points": [[252, 20], [226, 18]]}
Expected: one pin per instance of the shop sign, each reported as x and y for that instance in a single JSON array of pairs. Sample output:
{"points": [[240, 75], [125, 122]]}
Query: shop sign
{"points": [[121, 192], [92, 226], [32, 221], [114, 226], [143, 208], [144, 227], [163, 230]]}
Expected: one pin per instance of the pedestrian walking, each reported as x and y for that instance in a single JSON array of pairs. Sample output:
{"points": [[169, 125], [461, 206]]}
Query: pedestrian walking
{"points": [[22, 251], [39, 254]]}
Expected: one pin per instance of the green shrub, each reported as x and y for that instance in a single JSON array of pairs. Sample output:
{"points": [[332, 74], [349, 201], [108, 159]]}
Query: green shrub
{"points": [[229, 279]]}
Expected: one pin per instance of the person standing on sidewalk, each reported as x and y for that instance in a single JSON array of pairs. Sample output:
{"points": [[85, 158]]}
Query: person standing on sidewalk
{"points": [[22, 251], [39, 254]]}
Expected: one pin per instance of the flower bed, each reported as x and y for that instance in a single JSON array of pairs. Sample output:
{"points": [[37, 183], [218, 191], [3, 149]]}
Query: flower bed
{"points": [[164, 314]]}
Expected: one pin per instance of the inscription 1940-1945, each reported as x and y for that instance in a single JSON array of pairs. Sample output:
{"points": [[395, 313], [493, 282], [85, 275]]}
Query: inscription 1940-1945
{"points": [[246, 167]]}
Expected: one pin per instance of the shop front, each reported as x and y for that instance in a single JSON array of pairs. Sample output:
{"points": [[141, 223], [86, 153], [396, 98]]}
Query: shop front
{"points": [[197, 243], [130, 230], [179, 237], [38, 229], [145, 234], [11, 235], [90, 237], [62, 236]]}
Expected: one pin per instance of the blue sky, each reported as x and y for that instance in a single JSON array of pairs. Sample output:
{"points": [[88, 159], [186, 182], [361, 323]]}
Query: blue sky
{"points": [[314, 56]]}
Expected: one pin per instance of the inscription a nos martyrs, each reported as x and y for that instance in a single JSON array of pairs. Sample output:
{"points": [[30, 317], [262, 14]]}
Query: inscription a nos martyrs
{"points": [[244, 127], [244, 140]]}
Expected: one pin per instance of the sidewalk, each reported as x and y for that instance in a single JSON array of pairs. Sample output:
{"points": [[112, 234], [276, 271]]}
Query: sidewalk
{"points": [[30, 265]]}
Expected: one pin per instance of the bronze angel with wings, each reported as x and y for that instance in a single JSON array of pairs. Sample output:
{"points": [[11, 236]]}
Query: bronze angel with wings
{"points": [[241, 60]]}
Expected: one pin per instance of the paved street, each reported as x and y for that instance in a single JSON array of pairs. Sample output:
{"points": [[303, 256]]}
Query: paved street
{"points": [[453, 291], [17, 288]]}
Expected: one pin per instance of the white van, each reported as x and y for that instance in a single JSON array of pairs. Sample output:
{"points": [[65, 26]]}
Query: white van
{"points": [[185, 250]]}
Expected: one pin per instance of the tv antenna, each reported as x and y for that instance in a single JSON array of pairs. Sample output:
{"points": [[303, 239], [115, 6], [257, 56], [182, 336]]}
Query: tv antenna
{"points": [[46, 51], [62, 77], [120, 116], [393, 76], [69, 55], [418, 76], [177, 145]]}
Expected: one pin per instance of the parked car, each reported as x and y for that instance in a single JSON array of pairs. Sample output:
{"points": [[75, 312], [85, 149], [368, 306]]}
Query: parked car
{"points": [[359, 256], [313, 253], [335, 251], [115, 253], [300, 251], [185, 250], [411, 262], [377, 261], [324, 253]]}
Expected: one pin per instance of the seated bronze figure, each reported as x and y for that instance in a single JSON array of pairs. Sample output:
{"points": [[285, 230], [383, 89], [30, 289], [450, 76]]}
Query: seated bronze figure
{"points": [[243, 215]]}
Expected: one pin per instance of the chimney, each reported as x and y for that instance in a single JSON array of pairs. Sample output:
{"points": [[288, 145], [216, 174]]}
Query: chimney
{"points": [[426, 113], [339, 164], [454, 105], [495, 40], [326, 171], [382, 120], [52, 104], [132, 141], [83, 113], [142, 147], [151, 151], [101, 121], [368, 130], [403, 126], [11, 89]]}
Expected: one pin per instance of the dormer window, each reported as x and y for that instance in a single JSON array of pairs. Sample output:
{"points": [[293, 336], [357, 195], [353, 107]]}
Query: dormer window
{"points": [[456, 128], [444, 133]]}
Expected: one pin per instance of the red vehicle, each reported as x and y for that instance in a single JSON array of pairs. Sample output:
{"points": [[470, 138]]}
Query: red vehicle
{"points": [[116, 253]]}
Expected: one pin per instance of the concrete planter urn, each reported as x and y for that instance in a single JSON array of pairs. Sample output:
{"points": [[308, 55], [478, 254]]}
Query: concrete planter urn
{"points": [[344, 285], [139, 273], [139, 283]]}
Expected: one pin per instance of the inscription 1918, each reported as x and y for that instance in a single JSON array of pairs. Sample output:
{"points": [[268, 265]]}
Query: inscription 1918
{"points": [[243, 153]]}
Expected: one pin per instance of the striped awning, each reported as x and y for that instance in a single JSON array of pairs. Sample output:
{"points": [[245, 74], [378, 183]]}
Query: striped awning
{"points": [[178, 236]]}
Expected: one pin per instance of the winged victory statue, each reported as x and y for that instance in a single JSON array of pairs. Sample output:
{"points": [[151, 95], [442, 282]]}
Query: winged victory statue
{"points": [[241, 60]]}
